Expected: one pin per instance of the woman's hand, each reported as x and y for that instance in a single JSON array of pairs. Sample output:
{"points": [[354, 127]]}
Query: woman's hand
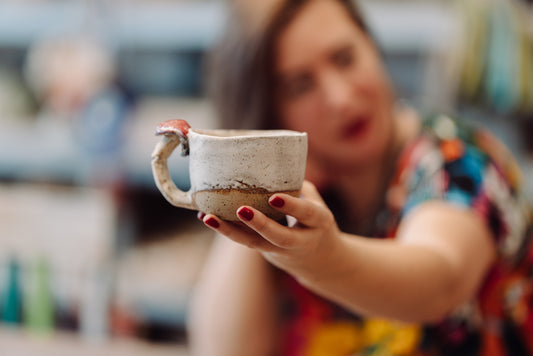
{"points": [[299, 248]]}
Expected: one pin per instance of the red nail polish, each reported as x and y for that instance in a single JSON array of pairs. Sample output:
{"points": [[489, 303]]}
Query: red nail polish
{"points": [[212, 222], [246, 213], [200, 215], [277, 202]]}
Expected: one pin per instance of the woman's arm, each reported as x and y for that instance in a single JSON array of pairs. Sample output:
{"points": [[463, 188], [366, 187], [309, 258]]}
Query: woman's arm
{"points": [[438, 260], [233, 311]]}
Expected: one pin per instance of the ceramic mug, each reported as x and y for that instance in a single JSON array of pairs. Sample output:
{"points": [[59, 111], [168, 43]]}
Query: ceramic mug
{"points": [[230, 168]]}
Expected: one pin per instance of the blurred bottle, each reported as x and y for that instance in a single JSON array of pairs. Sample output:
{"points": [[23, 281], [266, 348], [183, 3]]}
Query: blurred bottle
{"points": [[66, 301], [95, 303], [39, 309], [11, 311]]}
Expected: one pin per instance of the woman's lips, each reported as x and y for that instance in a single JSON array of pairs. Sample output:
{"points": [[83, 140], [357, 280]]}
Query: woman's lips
{"points": [[356, 129]]}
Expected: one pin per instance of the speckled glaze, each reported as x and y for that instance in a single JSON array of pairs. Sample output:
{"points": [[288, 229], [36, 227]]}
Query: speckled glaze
{"points": [[231, 168]]}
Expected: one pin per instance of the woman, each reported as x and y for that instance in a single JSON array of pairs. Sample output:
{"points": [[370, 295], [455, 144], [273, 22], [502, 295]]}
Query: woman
{"points": [[407, 240]]}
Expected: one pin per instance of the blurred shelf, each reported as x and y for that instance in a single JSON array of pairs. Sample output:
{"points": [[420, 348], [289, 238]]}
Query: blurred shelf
{"points": [[155, 280], [18, 342], [412, 26], [194, 25], [163, 25], [47, 150]]}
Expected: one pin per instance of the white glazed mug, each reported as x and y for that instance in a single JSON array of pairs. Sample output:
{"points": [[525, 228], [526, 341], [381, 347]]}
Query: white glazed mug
{"points": [[230, 168]]}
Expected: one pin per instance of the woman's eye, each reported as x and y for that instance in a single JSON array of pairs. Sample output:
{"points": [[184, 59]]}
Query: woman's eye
{"points": [[298, 86], [344, 58]]}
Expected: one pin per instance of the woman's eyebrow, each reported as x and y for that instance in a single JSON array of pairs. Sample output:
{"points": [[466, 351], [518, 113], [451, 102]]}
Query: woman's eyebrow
{"points": [[345, 46]]}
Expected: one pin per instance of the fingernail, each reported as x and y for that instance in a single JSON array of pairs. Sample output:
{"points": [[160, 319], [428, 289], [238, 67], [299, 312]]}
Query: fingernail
{"points": [[245, 213], [212, 222], [277, 202], [201, 215]]}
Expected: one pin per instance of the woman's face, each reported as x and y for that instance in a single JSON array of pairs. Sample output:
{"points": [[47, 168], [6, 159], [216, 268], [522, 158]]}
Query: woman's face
{"points": [[331, 84]]}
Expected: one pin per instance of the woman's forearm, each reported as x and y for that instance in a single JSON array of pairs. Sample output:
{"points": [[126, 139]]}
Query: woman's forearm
{"points": [[438, 261], [384, 278], [232, 312]]}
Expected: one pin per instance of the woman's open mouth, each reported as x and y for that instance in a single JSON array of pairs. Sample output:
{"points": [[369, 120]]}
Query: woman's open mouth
{"points": [[356, 129]]}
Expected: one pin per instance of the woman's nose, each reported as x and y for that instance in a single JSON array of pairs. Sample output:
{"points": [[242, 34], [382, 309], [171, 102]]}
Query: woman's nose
{"points": [[336, 91]]}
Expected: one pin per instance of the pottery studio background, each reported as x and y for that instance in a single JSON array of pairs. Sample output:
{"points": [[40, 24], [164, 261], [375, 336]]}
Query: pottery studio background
{"points": [[92, 258]]}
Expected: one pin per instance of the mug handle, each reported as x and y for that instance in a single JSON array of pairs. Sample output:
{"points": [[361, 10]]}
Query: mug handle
{"points": [[174, 132]]}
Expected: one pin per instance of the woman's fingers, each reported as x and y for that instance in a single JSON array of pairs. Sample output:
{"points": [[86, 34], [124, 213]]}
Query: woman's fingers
{"points": [[311, 211], [239, 233], [278, 235]]}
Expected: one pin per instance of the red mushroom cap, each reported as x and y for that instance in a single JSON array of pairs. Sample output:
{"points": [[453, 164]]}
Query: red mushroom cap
{"points": [[173, 127]]}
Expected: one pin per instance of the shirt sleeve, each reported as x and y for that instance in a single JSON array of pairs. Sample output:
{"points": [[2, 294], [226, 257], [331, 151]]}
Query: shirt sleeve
{"points": [[472, 173]]}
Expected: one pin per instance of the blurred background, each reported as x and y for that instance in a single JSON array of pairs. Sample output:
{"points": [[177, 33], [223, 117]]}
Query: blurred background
{"points": [[93, 260]]}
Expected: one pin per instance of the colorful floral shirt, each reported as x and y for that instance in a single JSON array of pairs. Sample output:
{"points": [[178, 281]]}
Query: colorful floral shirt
{"points": [[463, 166]]}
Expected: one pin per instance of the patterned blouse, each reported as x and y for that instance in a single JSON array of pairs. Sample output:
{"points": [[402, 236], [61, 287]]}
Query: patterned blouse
{"points": [[463, 166]]}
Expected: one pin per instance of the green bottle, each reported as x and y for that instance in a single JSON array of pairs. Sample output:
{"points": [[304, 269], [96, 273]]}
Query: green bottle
{"points": [[39, 310], [11, 307]]}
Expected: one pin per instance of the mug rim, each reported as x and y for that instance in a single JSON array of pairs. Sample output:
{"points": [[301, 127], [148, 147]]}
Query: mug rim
{"points": [[224, 134]]}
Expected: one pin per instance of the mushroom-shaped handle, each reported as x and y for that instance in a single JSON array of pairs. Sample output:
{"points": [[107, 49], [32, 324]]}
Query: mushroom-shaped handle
{"points": [[174, 132]]}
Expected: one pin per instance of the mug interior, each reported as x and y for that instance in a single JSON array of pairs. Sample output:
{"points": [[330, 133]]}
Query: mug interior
{"points": [[246, 133]]}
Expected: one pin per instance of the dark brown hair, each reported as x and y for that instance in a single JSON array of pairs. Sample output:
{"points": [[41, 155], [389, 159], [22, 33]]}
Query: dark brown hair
{"points": [[241, 78]]}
